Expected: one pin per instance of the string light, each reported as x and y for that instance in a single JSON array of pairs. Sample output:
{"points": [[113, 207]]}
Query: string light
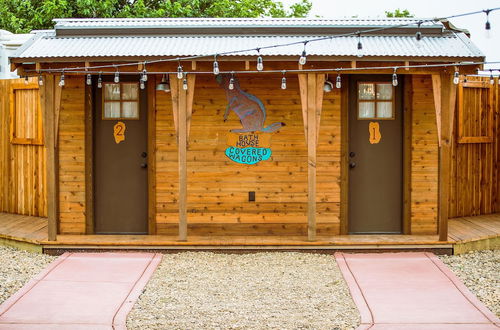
{"points": [[142, 85], [89, 79], [418, 35], [231, 81], [360, 46], [185, 83], [180, 73], [99, 81], [303, 57], [338, 81], [465, 79], [26, 80], [117, 77], [327, 86], [61, 82], [394, 78], [40, 80], [144, 73], [283, 80], [456, 77], [216, 66], [260, 61], [492, 80], [487, 25]]}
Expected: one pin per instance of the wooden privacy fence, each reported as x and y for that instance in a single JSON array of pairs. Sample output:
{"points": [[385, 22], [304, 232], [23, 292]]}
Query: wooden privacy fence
{"points": [[22, 153], [475, 150]]}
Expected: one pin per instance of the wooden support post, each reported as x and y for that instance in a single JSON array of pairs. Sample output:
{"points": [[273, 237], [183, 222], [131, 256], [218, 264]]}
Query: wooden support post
{"points": [[311, 92], [444, 100], [50, 100], [182, 105], [152, 155], [89, 161]]}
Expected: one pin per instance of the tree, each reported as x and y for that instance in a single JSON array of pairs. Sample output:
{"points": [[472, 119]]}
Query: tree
{"points": [[399, 13], [21, 16]]}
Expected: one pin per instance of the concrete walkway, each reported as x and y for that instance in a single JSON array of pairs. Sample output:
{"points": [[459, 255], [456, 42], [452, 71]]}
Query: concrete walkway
{"points": [[81, 291], [411, 291]]}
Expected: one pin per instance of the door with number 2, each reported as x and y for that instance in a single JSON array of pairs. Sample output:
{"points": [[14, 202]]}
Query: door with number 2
{"points": [[120, 159]]}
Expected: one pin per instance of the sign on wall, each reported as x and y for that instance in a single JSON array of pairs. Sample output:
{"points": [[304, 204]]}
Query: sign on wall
{"points": [[251, 143]]}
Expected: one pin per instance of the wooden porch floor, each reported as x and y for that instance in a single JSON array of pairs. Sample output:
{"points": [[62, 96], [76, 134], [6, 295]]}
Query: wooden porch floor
{"points": [[462, 231]]}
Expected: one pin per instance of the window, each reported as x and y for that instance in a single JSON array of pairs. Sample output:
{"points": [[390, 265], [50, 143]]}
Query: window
{"points": [[120, 101], [375, 100], [25, 114]]}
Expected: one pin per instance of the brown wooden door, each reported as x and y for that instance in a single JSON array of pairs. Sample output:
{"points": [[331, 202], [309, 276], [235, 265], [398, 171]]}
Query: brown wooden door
{"points": [[375, 155], [120, 159]]}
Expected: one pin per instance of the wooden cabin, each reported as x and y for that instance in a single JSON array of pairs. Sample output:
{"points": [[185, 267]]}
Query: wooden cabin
{"points": [[377, 140]]}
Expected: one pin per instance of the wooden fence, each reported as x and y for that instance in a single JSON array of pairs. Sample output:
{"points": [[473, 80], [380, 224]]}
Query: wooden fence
{"points": [[22, 153], [475, 187]]}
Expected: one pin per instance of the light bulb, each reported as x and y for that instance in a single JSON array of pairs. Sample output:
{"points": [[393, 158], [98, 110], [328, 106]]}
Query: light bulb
{"points": [[360, 49], [456, 78], [303, 58], [26, 80], [61, 82], [185, 84], [180, 74], [487, 29], [394, 79], [99, 82], [260, 63], [142, 85], [492, 80], [231, 83], [117, 78], [89, 79], [144, 75], [338, 82], [40, 80], [283, 83], [216, 68]]}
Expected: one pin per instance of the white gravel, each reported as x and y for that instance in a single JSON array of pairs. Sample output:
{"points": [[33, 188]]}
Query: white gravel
{"points": [[479, 270], [245, 291], [17, 267]]}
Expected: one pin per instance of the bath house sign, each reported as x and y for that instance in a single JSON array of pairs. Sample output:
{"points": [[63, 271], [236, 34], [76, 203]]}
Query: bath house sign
{"points": [[251, 143]]}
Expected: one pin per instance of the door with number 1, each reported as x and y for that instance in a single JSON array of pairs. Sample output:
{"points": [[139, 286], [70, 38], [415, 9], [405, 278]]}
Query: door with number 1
{"points": [[120, 159], [375, 155]]}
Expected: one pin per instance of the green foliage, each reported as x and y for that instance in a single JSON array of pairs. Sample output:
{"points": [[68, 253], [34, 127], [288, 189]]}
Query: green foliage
{"points": [[21, 16], [399, 13]]}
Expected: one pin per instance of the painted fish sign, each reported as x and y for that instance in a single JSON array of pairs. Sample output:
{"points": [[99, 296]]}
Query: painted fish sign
{"points": [[251, 143]]}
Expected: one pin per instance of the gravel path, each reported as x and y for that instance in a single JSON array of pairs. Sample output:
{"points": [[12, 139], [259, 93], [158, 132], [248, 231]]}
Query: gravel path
{"points": [[479, 271], [17, 267], [245, 291]]}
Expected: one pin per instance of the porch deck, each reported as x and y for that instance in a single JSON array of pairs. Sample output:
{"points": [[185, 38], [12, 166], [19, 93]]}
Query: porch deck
{"points": [[468, 233]]}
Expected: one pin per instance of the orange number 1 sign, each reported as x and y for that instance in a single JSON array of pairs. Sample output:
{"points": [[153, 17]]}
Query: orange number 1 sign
{"points": [[375, 135]]}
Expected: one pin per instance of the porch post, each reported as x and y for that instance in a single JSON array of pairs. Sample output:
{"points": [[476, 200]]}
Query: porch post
{"points": [[182, 106], [50, 95], [311, 94], [444, 100]]}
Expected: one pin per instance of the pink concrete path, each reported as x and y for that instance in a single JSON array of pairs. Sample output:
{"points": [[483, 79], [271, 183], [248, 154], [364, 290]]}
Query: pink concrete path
{"points": [[411, 291], [80, 291]]}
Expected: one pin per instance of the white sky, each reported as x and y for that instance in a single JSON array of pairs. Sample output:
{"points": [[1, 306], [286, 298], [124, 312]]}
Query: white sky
{"points": [[423, 9]]}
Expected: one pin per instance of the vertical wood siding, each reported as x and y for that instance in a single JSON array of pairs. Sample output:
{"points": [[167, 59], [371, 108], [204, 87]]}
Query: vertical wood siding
{"points": [[424, 162], [475, 184], [71, 147], [22, 166]]}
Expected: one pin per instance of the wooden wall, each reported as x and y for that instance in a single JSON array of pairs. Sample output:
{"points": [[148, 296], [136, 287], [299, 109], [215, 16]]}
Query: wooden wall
{"points": [[218, 188], [424, 160], [72, 157], [475, 186], [22, 166]]}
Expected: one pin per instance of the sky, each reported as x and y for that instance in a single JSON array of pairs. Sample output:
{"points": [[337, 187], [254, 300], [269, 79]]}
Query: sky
{"points": [[424, 9]]}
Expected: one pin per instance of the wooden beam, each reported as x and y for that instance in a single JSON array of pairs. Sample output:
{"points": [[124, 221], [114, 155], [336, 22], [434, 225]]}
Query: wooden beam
{"points": [[182, 106], [152, 155], [445, 98], [407, 129], [57, 110], [89, 161], [311, 93], [48, 97], [344, 152]]}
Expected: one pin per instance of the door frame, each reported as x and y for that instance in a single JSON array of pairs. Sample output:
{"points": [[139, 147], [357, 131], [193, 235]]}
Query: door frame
{"points": [[344, 155], [89, 156]]}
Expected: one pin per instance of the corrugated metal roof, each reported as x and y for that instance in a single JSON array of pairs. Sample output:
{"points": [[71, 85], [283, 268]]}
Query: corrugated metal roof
{"points": [[68, 23], [454, 45]]}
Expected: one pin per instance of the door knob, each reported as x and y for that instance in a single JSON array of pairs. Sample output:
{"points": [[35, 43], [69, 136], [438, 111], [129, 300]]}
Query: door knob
{"points": [[144, 165], [352, 154], [144, 154], [352, 165]]}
